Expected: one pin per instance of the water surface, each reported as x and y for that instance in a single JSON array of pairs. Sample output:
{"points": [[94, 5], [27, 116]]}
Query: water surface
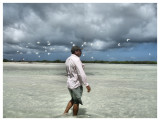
{"points": [[38, 90]]}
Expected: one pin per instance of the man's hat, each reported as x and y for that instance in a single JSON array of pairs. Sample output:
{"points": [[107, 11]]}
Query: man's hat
{"points": [[75, 48]]}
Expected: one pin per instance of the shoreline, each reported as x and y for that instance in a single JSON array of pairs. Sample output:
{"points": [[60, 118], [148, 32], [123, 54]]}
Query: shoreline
{"points": [[92, 62]]}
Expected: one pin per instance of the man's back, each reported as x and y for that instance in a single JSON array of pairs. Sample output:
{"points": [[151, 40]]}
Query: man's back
{"points": [[74, 72]]}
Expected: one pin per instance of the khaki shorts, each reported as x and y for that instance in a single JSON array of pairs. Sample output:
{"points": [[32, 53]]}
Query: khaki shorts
{"points": [[76, 95]]}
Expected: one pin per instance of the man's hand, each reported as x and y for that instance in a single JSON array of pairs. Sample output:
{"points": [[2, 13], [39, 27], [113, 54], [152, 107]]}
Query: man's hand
{"points": [[88, 88]]}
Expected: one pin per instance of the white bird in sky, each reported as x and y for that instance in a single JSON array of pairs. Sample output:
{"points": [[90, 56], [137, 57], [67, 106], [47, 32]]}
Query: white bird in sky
{"points": [[38, 42], [119, 44], [52, 48], [48, 43], [128, 40]]}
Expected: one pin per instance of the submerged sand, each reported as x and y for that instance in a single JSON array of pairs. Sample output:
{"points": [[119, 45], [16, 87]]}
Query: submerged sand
{"points": [[38, 90]]}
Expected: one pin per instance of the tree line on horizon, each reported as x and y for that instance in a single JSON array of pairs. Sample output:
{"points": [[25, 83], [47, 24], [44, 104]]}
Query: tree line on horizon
{"points": [[96, 61]]}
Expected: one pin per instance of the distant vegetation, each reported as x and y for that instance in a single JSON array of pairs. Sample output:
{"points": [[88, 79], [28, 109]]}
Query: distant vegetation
{"points": [[96, 61], [43, 61], [122, 62]]}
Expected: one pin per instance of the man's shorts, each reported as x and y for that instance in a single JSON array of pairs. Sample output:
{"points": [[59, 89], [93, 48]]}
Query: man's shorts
{"points": [[76, 95]]}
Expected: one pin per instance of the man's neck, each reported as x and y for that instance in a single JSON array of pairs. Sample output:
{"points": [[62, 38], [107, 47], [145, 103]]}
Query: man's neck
{"points": [[75, 55]]}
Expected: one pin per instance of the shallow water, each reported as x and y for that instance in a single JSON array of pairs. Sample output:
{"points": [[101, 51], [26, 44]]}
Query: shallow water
{"points": [[38, 90]]}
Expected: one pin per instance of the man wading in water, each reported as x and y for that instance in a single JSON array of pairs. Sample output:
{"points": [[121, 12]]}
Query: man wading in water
{"points": [[76, 77]]}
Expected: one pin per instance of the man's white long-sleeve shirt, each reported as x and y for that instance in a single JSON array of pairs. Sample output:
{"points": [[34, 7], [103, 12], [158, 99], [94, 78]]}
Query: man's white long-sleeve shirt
{"points": [[75, 72]]}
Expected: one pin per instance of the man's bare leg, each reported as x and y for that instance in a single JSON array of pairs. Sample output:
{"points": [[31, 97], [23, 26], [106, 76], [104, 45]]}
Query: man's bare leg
{"points": [[75, 109], [70, 104]]}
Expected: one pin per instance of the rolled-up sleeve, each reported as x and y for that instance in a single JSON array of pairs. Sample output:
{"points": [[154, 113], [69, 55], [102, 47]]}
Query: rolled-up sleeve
{"points": [[81, 73]]}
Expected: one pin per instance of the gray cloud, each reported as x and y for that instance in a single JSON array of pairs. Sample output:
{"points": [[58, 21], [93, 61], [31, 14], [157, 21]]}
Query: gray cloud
{"points": [[101, 26]]}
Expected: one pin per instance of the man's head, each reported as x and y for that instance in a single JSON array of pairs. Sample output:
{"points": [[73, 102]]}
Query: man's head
{"points": [[76, 50]]}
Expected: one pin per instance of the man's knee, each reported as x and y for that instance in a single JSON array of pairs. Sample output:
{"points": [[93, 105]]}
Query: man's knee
{"points": [[76, 105]]}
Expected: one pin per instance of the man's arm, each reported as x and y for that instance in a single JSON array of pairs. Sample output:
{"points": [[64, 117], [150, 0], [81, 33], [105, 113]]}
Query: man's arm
{"points": [[82, 74]]}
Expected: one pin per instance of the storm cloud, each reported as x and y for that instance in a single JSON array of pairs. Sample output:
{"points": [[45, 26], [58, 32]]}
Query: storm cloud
{"points": [[38, 28]]}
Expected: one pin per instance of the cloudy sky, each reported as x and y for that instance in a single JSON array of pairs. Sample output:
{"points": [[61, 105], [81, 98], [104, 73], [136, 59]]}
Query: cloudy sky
{"points": [[108, 31]]}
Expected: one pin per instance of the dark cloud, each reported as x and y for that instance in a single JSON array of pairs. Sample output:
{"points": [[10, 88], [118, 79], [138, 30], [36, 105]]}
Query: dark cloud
{"points": [[58, 26]]}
